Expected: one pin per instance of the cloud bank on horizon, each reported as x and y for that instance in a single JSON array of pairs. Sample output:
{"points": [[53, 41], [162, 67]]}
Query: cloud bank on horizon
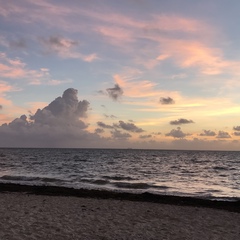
{"points": [[150, 74], [61, 124]]}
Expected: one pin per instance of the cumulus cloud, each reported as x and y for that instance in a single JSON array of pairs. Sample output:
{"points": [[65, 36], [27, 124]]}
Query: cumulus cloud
{"points": [[237, 128], [104, 125], [63, 109], [18, 123], [208, 133], [181, 121], [131, 127], [236, 134], [116, 134], [115, 93], [176, 133], [237, 131], [222, 134], [60, 124], [166, 101]]}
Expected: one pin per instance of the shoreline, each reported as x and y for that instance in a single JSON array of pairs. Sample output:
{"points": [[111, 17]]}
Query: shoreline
{"points": [[232, 206]]}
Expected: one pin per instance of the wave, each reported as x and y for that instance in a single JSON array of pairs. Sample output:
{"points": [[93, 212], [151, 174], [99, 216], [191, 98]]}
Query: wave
{"points": [[132, 185], [118, 178], [111, 181], [139, 185], [95, 181], [20, 178]]}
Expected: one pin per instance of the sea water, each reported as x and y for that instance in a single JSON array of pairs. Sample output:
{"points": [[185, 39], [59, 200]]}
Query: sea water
{"points": [[202, 174]]}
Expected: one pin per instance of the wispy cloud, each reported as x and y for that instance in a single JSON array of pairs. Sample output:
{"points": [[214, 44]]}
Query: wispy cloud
{"points": [[116, 35], [6, 87], [139, 90], [15, 68], [189, 43], [65, 48]]}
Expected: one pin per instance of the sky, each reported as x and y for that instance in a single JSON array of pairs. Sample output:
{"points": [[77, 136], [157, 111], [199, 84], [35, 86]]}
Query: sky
{"points": [[120, 74]]}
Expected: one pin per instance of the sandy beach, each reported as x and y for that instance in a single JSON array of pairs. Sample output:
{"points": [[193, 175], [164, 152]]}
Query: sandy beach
{"points": [[29, 216]]}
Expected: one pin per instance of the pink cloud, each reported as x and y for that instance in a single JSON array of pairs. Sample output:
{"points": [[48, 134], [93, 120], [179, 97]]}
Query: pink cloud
{"points": [[195, 54], [16, 69], [174, 23], [90, 57], [188, 43], [11, 72], [116, 35], [5, 87]]}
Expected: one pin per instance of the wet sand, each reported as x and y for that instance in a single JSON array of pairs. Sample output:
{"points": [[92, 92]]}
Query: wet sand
{"points": [[51, 213]]}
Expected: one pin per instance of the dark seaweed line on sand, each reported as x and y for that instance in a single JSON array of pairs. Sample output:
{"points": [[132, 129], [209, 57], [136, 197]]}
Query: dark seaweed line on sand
{"points": [[103, 194]]}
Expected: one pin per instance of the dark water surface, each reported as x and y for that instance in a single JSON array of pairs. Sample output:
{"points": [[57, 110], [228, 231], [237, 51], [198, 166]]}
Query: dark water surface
{"points": [[204, 174]]}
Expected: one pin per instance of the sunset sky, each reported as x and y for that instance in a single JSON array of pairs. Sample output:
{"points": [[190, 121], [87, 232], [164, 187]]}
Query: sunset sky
{"points": [[123, 74]]}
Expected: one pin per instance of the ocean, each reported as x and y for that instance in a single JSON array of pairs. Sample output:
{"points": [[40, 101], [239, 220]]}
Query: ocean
{"points": [[213, 175]]}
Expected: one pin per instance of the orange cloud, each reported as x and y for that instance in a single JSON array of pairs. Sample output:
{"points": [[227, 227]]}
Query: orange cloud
{"points": [[141, 88], [8, 111], [34, 106], [137, 89]]}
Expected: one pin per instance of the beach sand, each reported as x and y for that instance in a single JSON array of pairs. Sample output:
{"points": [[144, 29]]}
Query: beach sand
{"points": [[29, 216]]}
